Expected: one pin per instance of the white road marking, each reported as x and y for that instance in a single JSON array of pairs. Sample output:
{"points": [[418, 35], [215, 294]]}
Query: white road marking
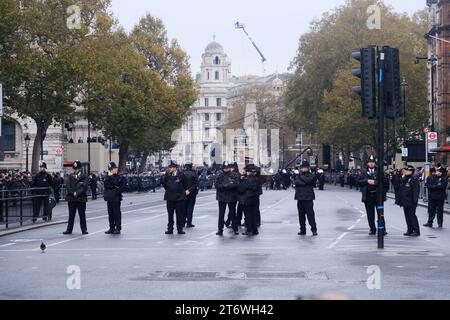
{"points": [[103, 230], [207, 235], [351, 228], [6, 245], [331, 246]]}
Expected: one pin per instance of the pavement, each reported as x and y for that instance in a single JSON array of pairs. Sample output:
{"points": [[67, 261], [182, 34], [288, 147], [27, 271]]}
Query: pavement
{"points": [[144, 263]]}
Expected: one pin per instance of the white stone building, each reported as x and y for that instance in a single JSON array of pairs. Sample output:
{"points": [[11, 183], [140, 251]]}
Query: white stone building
{"points": [[200, 136]]}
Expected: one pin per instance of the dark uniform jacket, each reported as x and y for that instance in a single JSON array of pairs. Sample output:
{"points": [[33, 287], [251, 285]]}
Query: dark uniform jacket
{"points": [[175, 186], [93, 182], [369, 192], [227, 187], [42, 180], [304, 186], [191, 182], [249, 189], [408, 194], [114, 186], [77, 183], [437, 187]]}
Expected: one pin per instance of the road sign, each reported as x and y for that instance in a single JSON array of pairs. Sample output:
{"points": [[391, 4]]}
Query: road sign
{"points": [[404, 152], [432, 140], [426, 130]]}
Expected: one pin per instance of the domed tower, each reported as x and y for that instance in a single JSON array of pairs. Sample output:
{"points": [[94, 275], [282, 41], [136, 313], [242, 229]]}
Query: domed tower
{"points": [[202, 133], [215, 67]]}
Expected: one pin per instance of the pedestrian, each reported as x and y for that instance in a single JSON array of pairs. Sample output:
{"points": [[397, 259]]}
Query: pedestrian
{"points": [[250, 188], [56, 181], [368, 182], [93, 185], [321, 179], [41, 184], [114, 185], [408, 199], [77, 186], [227, 196], [175, 186], [437, 188], [304, 182], [192, 187]]}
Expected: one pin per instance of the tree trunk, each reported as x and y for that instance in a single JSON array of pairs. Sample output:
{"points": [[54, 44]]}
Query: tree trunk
{"points": [[36, 156], [143, 162], [123, 156]]}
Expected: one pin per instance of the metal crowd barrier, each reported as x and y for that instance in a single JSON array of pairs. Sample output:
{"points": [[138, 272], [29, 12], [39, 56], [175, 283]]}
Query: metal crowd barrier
{"points": [[16, 205]]}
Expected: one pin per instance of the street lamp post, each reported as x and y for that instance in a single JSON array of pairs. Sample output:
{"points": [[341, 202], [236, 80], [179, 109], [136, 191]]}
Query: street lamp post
{"points": [[41, 78], [404, 85], [27, 146]]}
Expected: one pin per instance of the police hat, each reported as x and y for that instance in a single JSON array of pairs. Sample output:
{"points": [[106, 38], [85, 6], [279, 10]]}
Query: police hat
{"points": [[305, 164], [227, 165], [112, 165], [443, 170], [76, 165], [409, 168], [372, 159], [173, 164], [43, 165]]}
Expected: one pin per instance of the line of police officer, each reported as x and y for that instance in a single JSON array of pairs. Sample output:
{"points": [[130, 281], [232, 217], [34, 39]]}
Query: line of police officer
{"points": [[407, 190]]}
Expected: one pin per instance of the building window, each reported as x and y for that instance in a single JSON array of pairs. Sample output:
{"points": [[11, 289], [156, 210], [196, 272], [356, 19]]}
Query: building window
{"points": [[216, 60], [206, 133], [219, 102], [207, 76], [218, 116], [298, 137], [206, 116], [217, 75], [206, 102], [9, 135]]}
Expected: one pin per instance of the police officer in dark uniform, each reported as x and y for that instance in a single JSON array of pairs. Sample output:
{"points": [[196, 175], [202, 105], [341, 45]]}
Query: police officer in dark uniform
{"points": [[93, 183], [437, 190], [192, 187], [227, 195], [305, 182], [368, 184], [408, 199], [250, 191], [41, 183], [77, 186], [114, 186], [174, 182]]}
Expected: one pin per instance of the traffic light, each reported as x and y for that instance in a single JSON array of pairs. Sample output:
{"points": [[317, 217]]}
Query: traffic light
{"points": [[367, 74], [391, 83]]}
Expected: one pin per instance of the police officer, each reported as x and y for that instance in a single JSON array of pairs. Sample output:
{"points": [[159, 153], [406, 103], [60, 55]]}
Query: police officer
{"points": [[227, 195], [41, 183], [250, 189], [437, 189], [174, 182], [192, 187], [368, 184], [304, 182], [408, 198], [114, 186], [77, 186], [93, 184]]}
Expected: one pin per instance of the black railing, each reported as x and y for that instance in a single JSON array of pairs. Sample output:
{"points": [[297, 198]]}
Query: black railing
{"points": [[20, 205]]}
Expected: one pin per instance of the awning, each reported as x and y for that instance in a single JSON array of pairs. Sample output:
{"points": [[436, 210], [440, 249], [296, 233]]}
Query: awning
{"points": [[441, 149]]}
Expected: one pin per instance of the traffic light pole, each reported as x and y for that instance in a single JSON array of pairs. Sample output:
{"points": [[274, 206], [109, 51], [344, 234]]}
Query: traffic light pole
{"points": [[380, 152]]}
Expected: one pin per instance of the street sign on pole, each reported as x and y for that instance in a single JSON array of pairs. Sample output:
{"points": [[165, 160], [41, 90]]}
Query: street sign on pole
{"points": [[432, 141]]}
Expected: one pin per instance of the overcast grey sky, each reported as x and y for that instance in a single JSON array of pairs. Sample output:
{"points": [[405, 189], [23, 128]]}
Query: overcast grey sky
{"points": [[275, 26]]}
